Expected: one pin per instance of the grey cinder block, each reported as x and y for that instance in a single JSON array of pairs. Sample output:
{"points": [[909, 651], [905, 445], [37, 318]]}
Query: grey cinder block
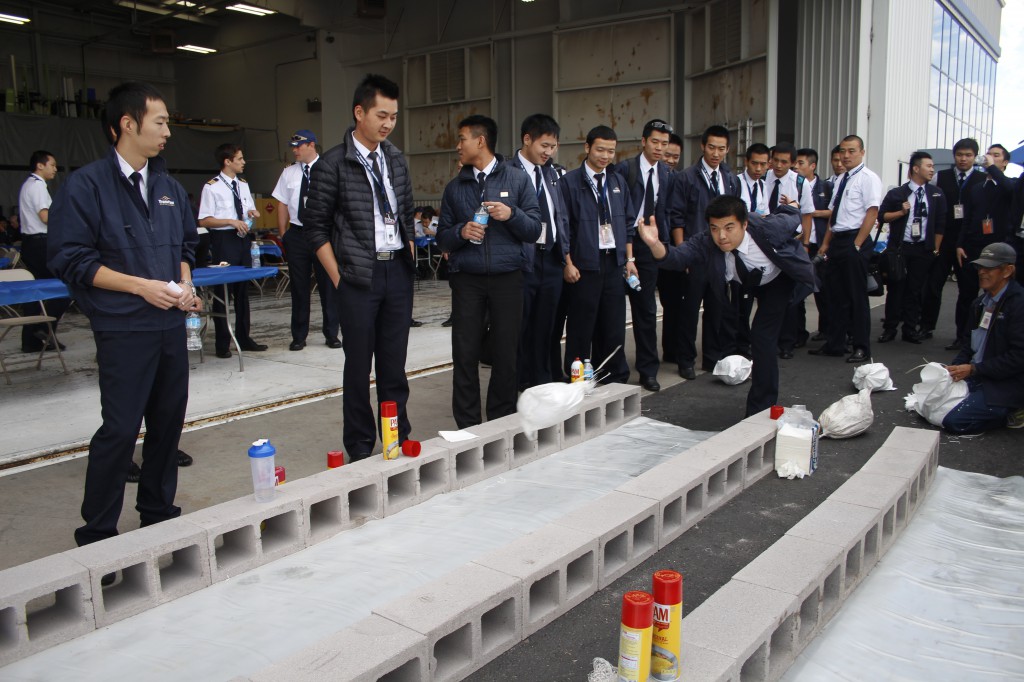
{"points": [[407, 481], [485, 456], [339, 499], [704, 665], [680, 488]]}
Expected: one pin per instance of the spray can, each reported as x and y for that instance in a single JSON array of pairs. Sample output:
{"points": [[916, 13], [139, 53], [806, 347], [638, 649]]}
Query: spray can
{"points": [[576, 371], [389, 428], [635, 637], [667, 635]]}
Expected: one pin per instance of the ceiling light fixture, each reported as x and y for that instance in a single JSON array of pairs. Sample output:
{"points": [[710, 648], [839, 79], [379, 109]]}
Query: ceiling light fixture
{"points": [[142, 7], [197, 48], [14, 19], [251, 9]]}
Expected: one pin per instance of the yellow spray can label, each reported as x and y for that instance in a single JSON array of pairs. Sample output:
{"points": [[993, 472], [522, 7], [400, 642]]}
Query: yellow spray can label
{"points": [[389, 433], [665, 654], [634, 654]]}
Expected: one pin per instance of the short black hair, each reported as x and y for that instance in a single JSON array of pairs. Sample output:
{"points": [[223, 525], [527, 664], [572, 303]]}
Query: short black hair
{"points": [[428, 212], [811, 154], [854, 138], [40, 156], [1006, 152], [656, 125], [756, 148], [917, 157], [484, 126], [715, 131], [785, 148], [367, 91], [539, 125], [127, 99], [725, 206], [225, 152], [675, 139], [835, 150], [966, 143], [600, 132]]}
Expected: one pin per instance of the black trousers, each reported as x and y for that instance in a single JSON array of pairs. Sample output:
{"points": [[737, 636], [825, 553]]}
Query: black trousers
{"points": [[941, 266], [820, 296], [557, 331], [670, 292], [772, 302], [203, 250], [501, 298], [143, 376], [596, 321], [33, 253], [697, 290], [302, 266], [542, 290], [967, 285], [903, 299], [375, 337], [734, 323], [645, 312], [227, 246], [846, 279]]}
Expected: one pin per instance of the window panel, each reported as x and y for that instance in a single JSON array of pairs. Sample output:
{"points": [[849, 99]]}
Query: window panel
{"points": [[933, 126], [933, 93], [937, 35], [946, 28], [969, 80]]}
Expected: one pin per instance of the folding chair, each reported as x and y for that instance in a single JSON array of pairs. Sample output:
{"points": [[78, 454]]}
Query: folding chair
{"points": [[12, 319]]}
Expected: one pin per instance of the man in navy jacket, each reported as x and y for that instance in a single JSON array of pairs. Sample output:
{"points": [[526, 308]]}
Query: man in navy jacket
{"points": [[120, 229], [762, 256], [486, 263]]}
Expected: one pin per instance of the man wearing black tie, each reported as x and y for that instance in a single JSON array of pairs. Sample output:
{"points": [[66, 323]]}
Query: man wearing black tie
{"points": [[761, 256], [916, 213], [648, 181], [542, 287], [291, 191]]}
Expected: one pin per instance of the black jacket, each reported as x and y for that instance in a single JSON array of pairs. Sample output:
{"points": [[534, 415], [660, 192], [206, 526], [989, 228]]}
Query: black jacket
{"points": [[822, 197], [1001, 372], [893, 201], [990, 199], [690, 195], [339, 208], [946, 181], [584, 216], [561, 217], [630, 170], [508, 245]]}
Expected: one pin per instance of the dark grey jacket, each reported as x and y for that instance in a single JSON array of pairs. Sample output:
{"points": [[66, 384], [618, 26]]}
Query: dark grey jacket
{"points": [[339, 208]]}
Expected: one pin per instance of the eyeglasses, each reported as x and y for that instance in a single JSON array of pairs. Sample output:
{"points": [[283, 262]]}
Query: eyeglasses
{"points": [[660, 125]]}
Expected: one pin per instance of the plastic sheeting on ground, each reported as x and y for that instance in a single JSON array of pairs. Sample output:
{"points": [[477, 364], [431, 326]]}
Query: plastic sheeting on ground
{"points": [[945, 603], [244, 624]]}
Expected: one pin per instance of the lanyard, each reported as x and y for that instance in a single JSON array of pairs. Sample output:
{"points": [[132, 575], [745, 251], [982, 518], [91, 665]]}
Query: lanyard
{"points": [[750, 193], [378, 185], [713, 186], [602, 197]]}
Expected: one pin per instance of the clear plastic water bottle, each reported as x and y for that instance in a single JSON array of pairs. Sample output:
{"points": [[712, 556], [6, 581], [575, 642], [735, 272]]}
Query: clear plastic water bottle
{"points": [[254, 251], [481, 216], [634, 282], [192, 324], [588, 376]]}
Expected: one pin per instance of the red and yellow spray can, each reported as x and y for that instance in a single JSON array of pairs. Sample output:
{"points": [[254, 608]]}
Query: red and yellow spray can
{"points": [[635, 637], [666, 663], [389, 429]]}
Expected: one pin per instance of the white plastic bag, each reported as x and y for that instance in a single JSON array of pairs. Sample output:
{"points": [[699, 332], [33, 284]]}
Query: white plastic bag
{"points": [[873, 375], [937, 393], [733, 370], [548, 404], [848, 417]]}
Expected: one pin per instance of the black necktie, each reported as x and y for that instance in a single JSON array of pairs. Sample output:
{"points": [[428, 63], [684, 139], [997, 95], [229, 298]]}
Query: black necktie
{"points": [[601, 205], [481, 181], [839, 199], [138, 196], [303, 188], [773, 200], [920, 205], [238, 200], [542, 200], [649, 196], [749, 279], [753, 195], [960, 182], [714, 183]]}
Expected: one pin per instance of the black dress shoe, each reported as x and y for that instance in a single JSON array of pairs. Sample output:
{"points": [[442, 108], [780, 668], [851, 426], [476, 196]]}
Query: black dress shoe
{"points": [[954, 346], [802, 341], [299, 345], [925, 335], [887, 336], [651, 384], [134, 473], [687, 372], [184, 459], [252, 346], [43, 337], [823, 350], [858, 355], [223, 354], [415, 323], [911, 337], [785, 355], [447, 323], [333, 343], [818, 336]]}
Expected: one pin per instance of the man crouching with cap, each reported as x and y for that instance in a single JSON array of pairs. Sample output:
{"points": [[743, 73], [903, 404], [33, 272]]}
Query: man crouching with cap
{"points": [[993, 363]]}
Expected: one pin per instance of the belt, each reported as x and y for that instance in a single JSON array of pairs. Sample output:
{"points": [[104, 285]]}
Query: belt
{"points": [[386, 255], [34, 235], [607, 252], [293, 226]]}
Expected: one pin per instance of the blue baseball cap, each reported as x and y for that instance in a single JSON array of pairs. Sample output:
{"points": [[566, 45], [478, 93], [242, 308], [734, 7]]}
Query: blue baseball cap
{"points": [[302, 137]]}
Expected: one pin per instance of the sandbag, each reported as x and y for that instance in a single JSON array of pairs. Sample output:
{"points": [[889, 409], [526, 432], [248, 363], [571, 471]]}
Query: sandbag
{"points": [[874, 376], [547, 404], [848, 417], [936, 394], [733, 370]]}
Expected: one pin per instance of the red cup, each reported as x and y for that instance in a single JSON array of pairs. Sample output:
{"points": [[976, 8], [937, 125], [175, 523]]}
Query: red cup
{"points": [[777, 411], [411, 448], [279, 475], [335, 459]]}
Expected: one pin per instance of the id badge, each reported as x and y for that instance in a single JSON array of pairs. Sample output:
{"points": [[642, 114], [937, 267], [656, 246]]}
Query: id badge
{"points": [[390, 230], [958, 211], [543, 233], [986, 320], [915, 229], [986, 226], [606, 233]]}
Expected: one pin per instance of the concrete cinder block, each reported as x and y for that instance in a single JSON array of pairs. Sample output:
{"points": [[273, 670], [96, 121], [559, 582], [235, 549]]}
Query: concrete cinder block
{"points": [[370, 650], [854, 529], [157, 564], [725, 464], [609, 406], [525, 449], [339, 499], [557, 567], [895, 462], [754, 441], [680, 488], [485, 456], [470, 617], [919, 440], [705, 665], [888, 494], [407, 481], [628, 528], [43, 603]]}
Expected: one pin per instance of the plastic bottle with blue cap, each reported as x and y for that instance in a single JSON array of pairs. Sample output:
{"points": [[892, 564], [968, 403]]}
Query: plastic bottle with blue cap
{"points": [[261, 459]]}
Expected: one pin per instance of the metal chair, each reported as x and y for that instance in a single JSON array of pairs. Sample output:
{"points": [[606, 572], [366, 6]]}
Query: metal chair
{"points": [[13, 319]]}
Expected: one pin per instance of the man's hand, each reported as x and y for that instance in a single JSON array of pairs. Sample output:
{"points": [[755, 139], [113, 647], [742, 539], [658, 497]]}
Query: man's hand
{"points": [[961, 256], [960, 372], [472, 230], [240, 227], [906, 207], [648, 232], [631, 269], [188, 301], [253, 213], [157, 294], [570, 273], [498, 211]]}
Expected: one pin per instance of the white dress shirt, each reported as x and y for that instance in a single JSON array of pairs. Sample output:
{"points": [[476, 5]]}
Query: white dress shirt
{"points": [[753, 258], [809, 188], [863, 191], [645, 168], [288, 187], [380, 232], [707, 170], [602, 243], [218, 201], [748, 191], [32, 199], [788, 186], [528, 167]]}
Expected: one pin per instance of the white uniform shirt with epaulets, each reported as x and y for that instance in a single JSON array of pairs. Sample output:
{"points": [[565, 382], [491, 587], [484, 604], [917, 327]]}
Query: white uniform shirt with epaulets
{"points": [[749, 187], [811, 187], [288, 187], [32, 199], [862, 192], [788, 186], [218, 201]]}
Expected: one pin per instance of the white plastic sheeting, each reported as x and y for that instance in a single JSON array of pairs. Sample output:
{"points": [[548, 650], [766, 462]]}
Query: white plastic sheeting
{"points": [[945, 603], [242, 625]]}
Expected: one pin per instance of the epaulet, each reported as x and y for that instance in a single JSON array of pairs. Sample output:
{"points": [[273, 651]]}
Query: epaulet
{"points": [[212, 180], [243, 180]]}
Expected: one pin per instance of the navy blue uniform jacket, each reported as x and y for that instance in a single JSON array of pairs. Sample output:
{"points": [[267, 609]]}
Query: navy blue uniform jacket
{"points": [[94, 221], [936, 200], [584, 233], [690, 195], [1001, 373], [822, 197], [638, 187], [987, 200], [773, 234], [508, 245], [561, 217]]}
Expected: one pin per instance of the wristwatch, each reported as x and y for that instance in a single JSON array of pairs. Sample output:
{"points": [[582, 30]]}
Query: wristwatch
{"points": [[631, 260], [190, 286]]}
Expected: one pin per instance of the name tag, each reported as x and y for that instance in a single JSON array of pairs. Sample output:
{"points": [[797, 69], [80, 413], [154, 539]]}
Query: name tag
{"points": [[986, 226], [606, 233], [915, 229], [986, 320], [958, 211], [503, 194], [390, 230]]}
